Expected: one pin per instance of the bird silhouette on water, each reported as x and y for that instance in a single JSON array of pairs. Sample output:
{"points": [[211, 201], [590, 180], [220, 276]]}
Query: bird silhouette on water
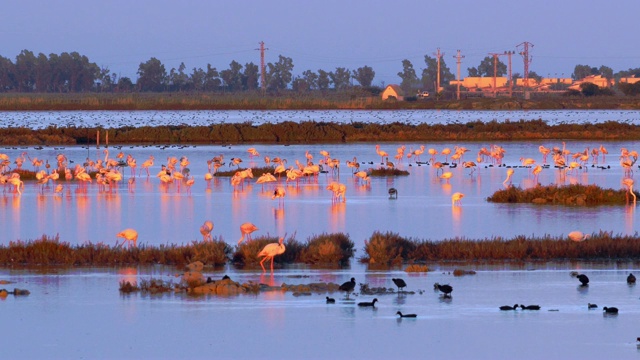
{"points": [[530, 307], [610, 310], [592, 306], [631, 279], [348, 286], [406, 315], [507, 307], [331, 300], [393, 193], [399, 283], [584, 280], [446, 289], [368, 304]]}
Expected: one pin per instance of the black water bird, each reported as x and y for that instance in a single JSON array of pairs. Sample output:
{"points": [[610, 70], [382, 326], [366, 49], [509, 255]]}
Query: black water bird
{"points": [[507, 307], [368, 304], [399, 283], [631, 279], [331, 300], [348, 286], [592, 306], [446, 289], [530, 307], [393, 193], [406, 315], [610, 310], [584, 280]]}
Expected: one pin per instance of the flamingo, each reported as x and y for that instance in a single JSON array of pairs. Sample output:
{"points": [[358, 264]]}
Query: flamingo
{"points": [[270, 251], [362, 176], [508, 179], [433, 152], [381, 153], [628, 182], [279, 193], [578, 236], [536, 171], [418, 152], [603, 151], [129, 235], [545, 152], [147, 164], [253, 152], [456, 198], [265, 178], [446, 152], [246, 229], [447, 175], [206, 229]]}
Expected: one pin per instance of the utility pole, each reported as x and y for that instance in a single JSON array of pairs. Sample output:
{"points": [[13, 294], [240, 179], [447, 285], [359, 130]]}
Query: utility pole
{"points": [[438, 56], [458, 58], [495, 71], [509, 53], [527, 60], [263, 82]]}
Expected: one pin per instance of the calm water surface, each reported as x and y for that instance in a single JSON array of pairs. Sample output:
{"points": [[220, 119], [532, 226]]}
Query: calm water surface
{"points": [[79, 313]]}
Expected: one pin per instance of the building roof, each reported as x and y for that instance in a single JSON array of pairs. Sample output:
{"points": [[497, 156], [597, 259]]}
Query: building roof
{"points": [[396, 88]]}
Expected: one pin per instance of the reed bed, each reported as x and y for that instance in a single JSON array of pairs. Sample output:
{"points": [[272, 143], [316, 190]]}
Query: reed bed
{"points": [[388, 172], [390, 249], [327, 250], [310, 132], [51, 251], [577, 194], [257, 171]]}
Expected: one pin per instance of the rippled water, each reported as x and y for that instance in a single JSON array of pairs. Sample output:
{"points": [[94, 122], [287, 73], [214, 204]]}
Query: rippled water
{"points": [[116, 119], [79, 313]]}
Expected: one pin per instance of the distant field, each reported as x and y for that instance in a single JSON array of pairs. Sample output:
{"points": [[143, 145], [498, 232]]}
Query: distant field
{"points": [[212, 101]]}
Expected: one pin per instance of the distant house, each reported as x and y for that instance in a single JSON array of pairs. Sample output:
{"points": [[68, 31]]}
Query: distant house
{"points": [[393, 90], [593, 79]]}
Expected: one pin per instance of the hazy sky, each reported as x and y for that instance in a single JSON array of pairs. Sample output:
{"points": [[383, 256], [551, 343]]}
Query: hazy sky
{"points": [[326, 34]]}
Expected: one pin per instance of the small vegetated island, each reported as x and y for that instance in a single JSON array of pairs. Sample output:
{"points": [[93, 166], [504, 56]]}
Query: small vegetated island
{"points": [[577, 195]]}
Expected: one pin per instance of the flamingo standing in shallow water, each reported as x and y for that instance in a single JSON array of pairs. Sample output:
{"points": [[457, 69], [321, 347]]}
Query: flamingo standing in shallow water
{"points": [[206, 229], [578, 236], [270, 251], [456, 198], [628, 182]]}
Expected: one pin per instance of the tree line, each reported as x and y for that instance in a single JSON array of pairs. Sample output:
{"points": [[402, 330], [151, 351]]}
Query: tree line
{"points": [[75, 73]]}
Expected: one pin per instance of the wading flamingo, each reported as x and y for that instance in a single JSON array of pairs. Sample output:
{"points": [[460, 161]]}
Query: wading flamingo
{"points": [[270, 251], [381, 153], [456, 198], [279, 193], [246, 229], [628, 182], [129, 235], [508, 179]]}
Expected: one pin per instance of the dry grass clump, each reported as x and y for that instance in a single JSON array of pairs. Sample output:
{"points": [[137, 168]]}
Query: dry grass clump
{"points": [[388, 172], [577, 194], [51, 251], [257, 171], [152, 286], [385, 249], [416, 268], [327, 249]]}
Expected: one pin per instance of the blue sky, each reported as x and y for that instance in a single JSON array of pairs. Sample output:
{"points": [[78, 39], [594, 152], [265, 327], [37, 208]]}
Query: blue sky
{"points": [[326, 34]]}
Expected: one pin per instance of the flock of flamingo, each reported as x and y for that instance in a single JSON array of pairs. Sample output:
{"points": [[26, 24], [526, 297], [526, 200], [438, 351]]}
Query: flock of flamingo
{"points": [[108, 172]]}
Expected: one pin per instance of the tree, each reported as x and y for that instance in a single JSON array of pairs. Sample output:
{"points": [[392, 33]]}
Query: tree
{"points": [[341, 78], [324, 80], [430, 73], [178, 79], [124, 85], [250, 76], [25, 71], [310, 78], [486, 67], [582, 71], [151, 75], [232, 77], [279, 74], [364, 76], [473, 72], [196, 80], [408, 76], [7, 75], [606, 72], [300, 85], [211, 79]]}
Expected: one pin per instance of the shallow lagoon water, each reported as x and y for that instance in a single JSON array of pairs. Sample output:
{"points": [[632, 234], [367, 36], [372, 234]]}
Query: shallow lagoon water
{"points": [[79, 313]]}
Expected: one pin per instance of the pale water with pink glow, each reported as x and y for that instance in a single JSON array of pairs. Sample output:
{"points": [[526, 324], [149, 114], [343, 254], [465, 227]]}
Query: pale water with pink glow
{"points": [[79, 313]]}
